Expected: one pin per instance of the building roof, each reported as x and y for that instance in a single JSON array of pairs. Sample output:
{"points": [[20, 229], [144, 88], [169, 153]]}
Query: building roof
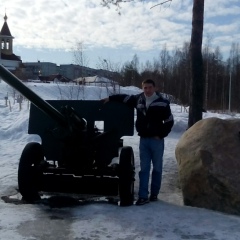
{"points": [[94, 79], [59, 77], [11, 57], [53, 77], [5, 29]]}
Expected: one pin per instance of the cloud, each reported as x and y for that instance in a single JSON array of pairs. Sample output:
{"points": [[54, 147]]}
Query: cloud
{"points": [[60, 24]]}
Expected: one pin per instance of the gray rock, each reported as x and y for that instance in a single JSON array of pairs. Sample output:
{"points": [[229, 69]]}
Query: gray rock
{"points": [[208, 156]]}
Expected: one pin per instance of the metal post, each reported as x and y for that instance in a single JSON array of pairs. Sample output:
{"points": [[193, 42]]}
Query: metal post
{"points": [[230, 90]]}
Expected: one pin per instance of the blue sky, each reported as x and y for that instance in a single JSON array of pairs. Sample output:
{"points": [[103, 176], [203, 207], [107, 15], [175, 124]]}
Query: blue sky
{"points": [[49, 30]]}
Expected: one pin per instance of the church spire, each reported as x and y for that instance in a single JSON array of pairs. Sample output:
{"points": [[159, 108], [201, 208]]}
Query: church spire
{"points": [[5, 29]]}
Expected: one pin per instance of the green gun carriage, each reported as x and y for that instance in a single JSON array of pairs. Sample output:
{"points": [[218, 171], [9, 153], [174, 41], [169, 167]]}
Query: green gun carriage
{"points": [[81, 149]]}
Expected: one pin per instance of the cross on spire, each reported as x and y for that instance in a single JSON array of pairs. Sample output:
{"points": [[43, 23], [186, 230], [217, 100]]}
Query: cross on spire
{"points": [[5, 17]]}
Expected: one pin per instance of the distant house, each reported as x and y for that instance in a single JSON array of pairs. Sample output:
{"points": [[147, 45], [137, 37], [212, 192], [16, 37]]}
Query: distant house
{"points": [[7, 58], [96, 81], [43, 79], [56, 78]]}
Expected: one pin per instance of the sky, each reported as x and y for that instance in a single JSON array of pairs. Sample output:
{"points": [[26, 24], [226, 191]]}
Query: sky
{"points": [[48, 31], [96, 219]]}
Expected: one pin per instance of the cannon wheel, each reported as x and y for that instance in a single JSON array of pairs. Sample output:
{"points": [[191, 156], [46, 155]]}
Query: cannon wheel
{"points": [[126, 176], [28, 174]]}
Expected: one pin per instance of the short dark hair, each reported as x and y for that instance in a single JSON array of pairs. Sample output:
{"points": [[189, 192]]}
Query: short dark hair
{"points": [[149, 81]]}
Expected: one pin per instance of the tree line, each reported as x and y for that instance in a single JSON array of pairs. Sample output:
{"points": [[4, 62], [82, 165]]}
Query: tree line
{"points": [[172, 72]]}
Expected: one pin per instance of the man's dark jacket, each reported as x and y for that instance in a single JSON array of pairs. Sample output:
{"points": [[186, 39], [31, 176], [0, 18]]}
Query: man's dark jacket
{"points": [[157, 120]]}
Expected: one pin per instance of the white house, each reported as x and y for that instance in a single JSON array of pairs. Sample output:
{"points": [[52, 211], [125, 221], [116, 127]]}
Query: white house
{"points": [[96, 81]]}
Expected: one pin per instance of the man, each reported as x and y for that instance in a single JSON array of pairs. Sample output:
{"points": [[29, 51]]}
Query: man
{"points": [[154, 122]]}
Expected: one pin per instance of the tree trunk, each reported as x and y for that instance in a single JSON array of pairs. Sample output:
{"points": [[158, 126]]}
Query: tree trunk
{"points": [[197, 81]]}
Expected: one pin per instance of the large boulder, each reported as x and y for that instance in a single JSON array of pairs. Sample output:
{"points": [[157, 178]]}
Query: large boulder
{"points": [[208, 156]]}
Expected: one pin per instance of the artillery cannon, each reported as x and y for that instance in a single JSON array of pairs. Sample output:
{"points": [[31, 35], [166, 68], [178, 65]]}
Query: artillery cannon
{"points": [[75, 156]]}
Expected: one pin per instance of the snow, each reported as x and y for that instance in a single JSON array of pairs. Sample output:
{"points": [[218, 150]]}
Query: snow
{"points": [[164, 219]]}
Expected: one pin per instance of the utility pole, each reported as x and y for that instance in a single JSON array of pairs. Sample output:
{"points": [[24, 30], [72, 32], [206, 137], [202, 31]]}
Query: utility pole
{"points": [[230, 89]]}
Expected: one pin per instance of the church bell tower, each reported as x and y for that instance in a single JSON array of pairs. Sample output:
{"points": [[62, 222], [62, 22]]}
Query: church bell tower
{"points": [[6, 39]]}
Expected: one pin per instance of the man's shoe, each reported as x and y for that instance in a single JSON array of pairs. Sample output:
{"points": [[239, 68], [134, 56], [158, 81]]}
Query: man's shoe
{"points": [[153, 198], [142, 201]]}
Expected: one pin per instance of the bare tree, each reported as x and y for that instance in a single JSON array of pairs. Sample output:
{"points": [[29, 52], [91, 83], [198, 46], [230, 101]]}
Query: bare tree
{"points": [[206, 56], [111, 71], [130, 72], [81, 60], [164, 67], [79, 55], [234, 63], [180, 74]]}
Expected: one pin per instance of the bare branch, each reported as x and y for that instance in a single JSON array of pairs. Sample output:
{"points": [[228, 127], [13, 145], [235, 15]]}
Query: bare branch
{"points": [[107, 3], [115, 2], [160, 4]]}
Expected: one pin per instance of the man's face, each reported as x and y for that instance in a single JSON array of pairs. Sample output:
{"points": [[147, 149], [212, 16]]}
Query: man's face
{"points": [[148, 89]]}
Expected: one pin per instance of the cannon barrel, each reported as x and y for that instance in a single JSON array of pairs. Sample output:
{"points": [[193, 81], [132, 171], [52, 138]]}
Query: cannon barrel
{"points": [[44, 106]]}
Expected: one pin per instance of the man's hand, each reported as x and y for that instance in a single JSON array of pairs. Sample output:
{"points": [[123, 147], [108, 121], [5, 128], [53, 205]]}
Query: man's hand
{"points": [[105, 100]]}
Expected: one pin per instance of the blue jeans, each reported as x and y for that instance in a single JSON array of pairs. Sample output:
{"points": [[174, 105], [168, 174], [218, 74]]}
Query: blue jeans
{"points": [[151, 150]]}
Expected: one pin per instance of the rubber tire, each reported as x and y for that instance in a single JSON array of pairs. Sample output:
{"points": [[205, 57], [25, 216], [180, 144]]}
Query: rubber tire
{"points": [[126, 176], [28, 173]]}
